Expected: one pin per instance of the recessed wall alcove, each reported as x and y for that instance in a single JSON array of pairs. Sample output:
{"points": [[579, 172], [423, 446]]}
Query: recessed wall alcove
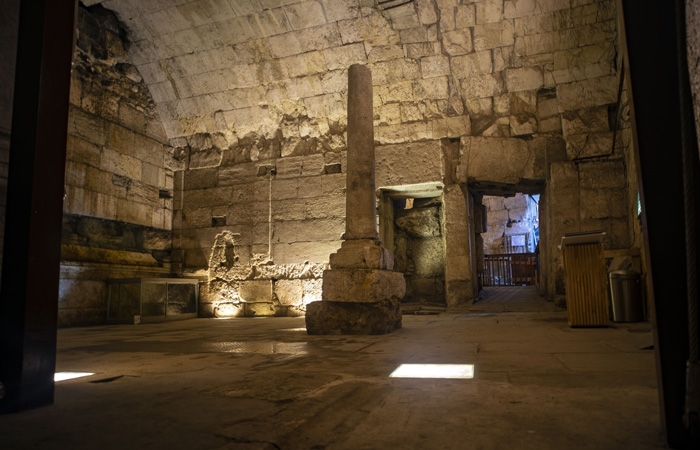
{"points": [[412, 228]]}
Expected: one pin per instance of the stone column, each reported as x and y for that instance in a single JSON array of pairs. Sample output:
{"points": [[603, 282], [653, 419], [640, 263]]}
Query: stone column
{"points": [[360, 201], [361, 292]]}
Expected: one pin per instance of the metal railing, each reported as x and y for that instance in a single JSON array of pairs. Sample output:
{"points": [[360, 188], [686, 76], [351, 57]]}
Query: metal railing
{"points": [[510, 269]]}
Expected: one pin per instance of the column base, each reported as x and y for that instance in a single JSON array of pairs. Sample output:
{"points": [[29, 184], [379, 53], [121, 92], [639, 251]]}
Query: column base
{"points": [[329, 317]]}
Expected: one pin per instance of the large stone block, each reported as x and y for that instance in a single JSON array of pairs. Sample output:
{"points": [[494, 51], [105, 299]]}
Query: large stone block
{"points": [[344, 56], [458, 42], [362, 285], [523, 79], [82, 151], [270, 21], [584, 120], [362, 254], [471, 65], [221, 309], [451, 127], [310, 187], [289, 292], [427, 13], [465, 15], [327, 317], [115, 162], [603, 203], [487, 85], [82, 293], [523, 125], [132, 212], [589, 145], [312, 290], [435, 66], [429, 257], [492, 35], [299, 252], [587, 93], [417, 162], [304, 271], [336, 11], [305, 15], [86, 126], [75, 174], [495, 159], [261, 309], [256, 291], [603, 175], [209, 197]]}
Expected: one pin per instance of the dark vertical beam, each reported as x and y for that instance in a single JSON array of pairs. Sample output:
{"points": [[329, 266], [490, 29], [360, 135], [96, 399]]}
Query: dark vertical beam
{"points": [[29, 295], [651, 38]]}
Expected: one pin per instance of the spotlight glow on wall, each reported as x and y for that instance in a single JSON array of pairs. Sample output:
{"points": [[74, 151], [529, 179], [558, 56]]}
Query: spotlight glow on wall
{"points": [[62, 376], [459, 371]]}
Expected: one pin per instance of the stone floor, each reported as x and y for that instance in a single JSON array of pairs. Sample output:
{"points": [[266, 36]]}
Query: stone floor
{"points": [[512, 299], [265, 384]]}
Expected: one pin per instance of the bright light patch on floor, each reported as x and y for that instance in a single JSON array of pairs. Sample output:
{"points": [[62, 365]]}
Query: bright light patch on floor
{"points": [[62, 376], [434, 371]]}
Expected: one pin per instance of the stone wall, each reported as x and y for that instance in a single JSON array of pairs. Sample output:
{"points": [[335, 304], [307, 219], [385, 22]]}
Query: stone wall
{"points": [[94, 250], [510, 216], [225, 121], [119, 174], [252, 97], [118, 166]]}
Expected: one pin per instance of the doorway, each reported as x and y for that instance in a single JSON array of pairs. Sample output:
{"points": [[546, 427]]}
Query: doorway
{"points": [[510, 241], [509, 271], [412, 229]]}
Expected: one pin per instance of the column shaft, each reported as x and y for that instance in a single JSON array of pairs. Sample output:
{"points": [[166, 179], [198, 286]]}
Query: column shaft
{"points": [[361, 214]]}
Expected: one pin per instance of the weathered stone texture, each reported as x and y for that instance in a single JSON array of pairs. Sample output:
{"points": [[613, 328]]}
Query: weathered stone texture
{"points": [[252, 101], [328, 317], [362, 285], [114, 130], [517, 215]]}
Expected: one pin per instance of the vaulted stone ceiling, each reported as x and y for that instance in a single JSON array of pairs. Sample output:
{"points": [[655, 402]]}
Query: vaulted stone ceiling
{"points": [[277, 68]]}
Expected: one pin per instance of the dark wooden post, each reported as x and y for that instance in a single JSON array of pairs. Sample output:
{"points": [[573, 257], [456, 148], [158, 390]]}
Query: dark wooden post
{"points": [[660, 98], [32, 250]]}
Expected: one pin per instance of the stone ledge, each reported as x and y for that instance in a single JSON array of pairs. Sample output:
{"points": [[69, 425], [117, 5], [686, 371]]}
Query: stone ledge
{"points": [[327, 317]]}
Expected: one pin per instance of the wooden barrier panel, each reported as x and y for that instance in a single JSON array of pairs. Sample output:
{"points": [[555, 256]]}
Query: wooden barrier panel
{"points": [[586, 288]]}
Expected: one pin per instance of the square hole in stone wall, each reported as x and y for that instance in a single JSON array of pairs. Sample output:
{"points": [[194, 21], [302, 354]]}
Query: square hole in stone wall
{"points": [[218, 221], [332, 168]]}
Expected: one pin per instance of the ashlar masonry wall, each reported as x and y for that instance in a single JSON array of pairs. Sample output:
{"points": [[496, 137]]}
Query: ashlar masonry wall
{"points": [[512, 94], [510, 216], [119, 174]]}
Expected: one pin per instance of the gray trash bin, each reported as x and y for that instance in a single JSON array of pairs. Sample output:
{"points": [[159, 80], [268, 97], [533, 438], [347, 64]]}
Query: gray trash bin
{"points": [[626, 295]]}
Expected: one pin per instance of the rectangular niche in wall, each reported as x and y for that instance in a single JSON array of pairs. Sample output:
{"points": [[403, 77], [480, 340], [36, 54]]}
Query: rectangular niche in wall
{"points": [[411, 225], [133, 300]]}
